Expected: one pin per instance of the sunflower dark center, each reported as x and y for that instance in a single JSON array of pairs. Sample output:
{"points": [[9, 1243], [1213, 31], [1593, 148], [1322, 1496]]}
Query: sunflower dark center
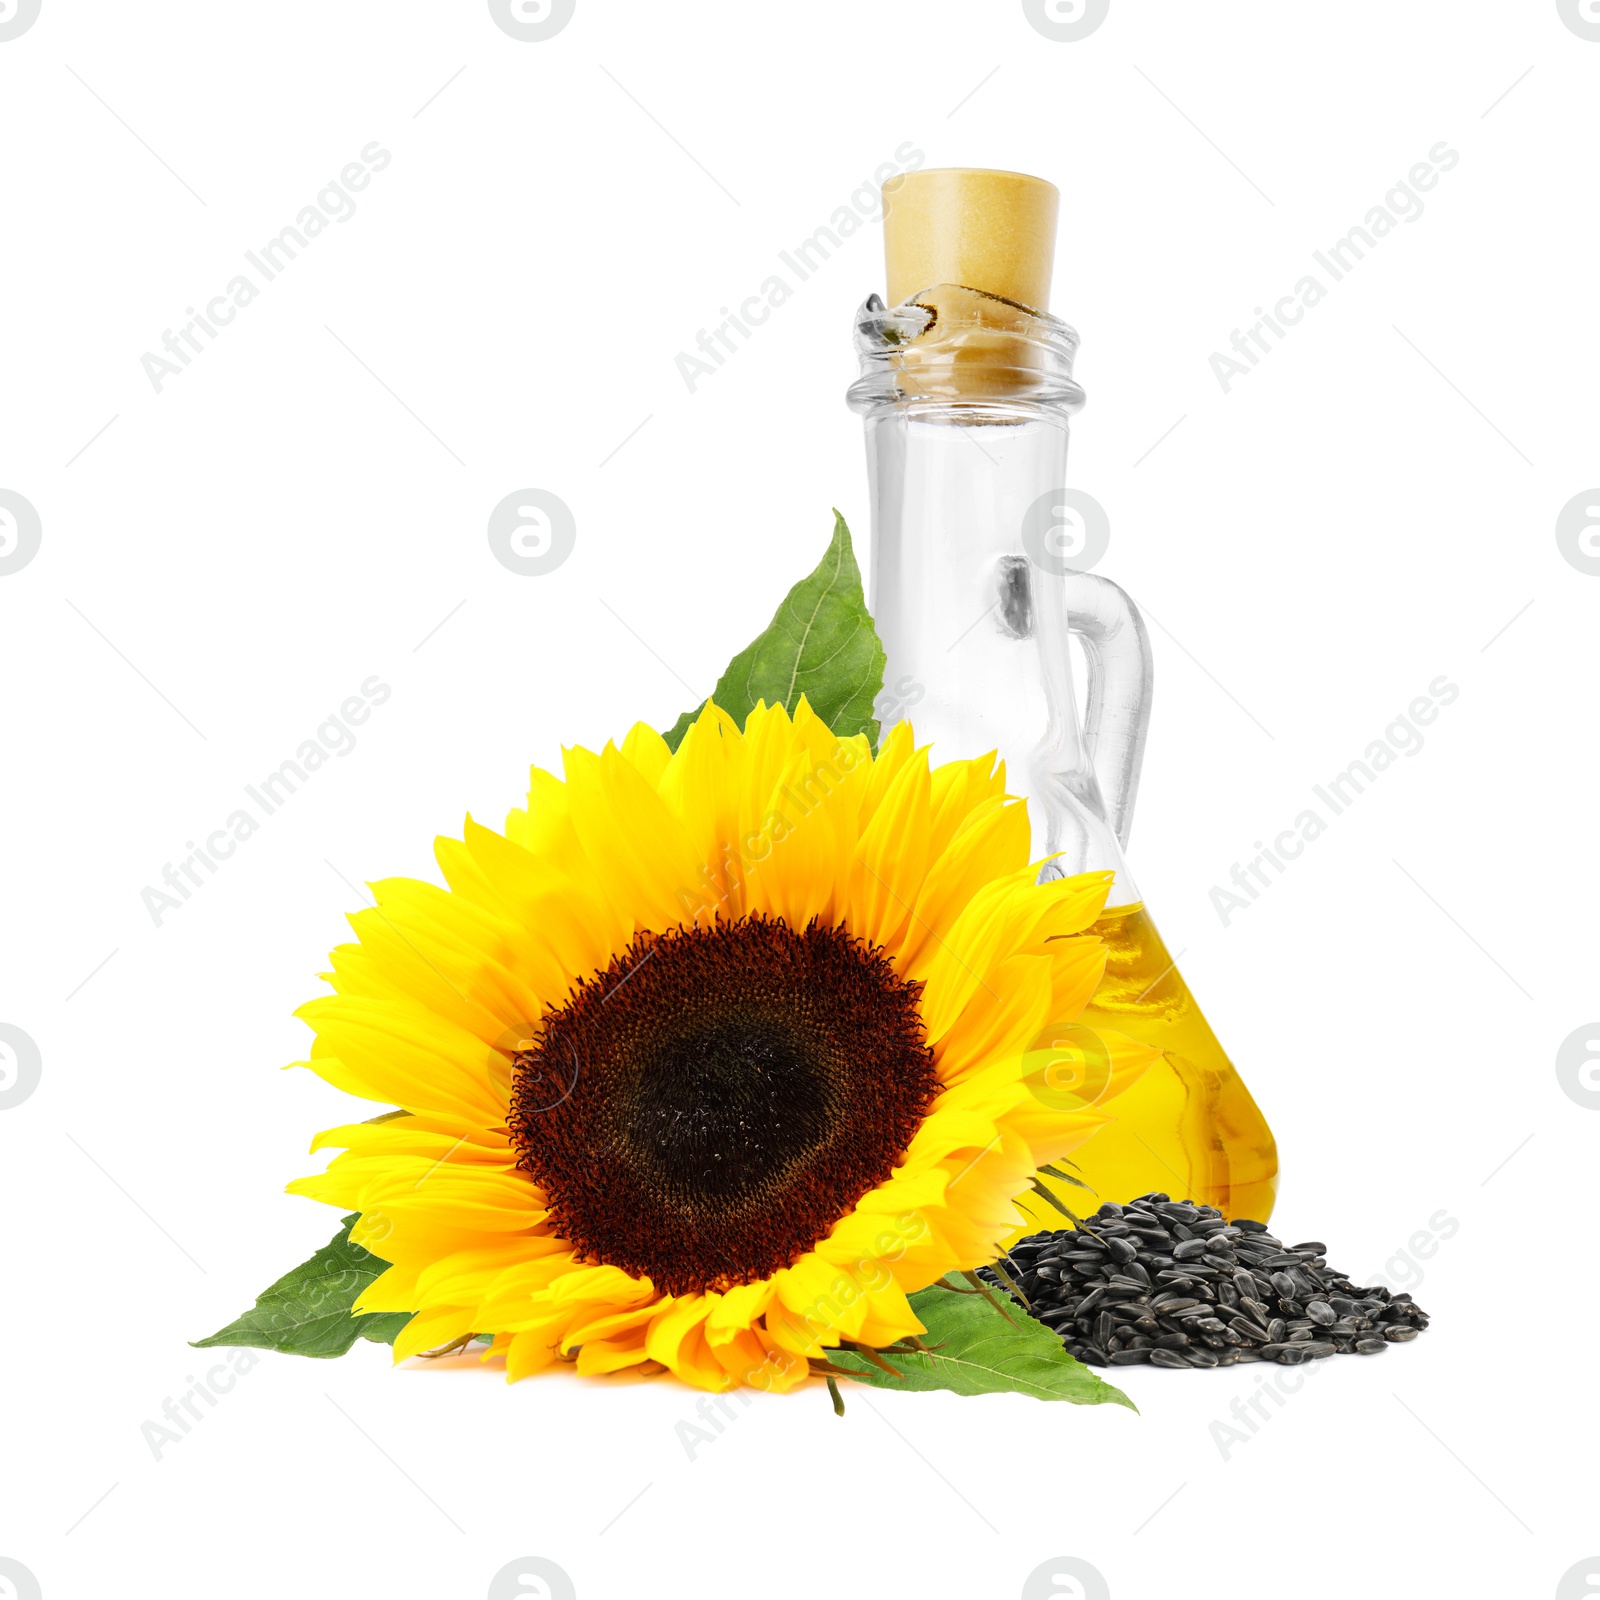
{"points": [[704, 1111]]}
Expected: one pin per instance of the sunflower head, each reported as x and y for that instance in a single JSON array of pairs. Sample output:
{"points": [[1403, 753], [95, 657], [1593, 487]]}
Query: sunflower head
{"points": [[710, 1058]]}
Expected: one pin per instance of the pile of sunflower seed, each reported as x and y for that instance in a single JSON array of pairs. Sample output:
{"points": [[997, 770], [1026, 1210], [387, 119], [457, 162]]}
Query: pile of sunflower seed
{"points": [[1174, 1284]]}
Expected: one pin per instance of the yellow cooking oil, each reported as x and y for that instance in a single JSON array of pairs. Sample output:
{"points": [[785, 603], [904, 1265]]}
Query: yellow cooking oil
{"points": [[1188, 1125]]}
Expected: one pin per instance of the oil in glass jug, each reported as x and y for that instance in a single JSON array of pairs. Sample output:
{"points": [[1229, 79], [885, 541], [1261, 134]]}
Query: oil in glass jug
{"points": [[967, 394]]}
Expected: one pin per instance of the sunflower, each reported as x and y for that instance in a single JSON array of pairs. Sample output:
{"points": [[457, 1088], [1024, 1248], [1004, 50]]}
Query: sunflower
{"points": [[711, 1057]]}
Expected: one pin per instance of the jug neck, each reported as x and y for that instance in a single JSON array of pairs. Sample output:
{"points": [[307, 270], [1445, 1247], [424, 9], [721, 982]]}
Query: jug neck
{"points": [[963, 356]]}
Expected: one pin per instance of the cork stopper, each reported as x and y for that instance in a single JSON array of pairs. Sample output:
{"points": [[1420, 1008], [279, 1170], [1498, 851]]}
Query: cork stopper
{"points": [[994, 231]]}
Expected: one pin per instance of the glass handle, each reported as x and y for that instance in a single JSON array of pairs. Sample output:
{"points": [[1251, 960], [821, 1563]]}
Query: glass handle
{"points": [[1121, 673]]}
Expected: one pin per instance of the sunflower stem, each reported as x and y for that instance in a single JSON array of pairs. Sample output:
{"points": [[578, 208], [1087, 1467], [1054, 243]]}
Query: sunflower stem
{"points": [[838, 1399]]}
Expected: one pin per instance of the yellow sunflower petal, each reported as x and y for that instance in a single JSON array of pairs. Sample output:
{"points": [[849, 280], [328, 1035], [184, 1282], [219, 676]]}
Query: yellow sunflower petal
{"points": [[528, 1353]]}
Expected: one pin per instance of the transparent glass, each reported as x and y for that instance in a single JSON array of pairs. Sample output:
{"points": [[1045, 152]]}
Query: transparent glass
{"points": [[967, 401]]}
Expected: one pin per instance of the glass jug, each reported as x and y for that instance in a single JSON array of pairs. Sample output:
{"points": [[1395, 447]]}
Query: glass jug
{"points": [[966, 399]]}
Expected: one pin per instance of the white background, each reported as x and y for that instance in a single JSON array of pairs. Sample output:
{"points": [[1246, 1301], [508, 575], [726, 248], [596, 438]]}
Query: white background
{"points": [[306, 506]]}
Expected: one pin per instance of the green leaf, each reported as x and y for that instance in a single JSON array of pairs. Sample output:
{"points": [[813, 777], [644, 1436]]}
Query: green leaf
{"points": [[973, 1349], [307, 1311], [820, 644]]}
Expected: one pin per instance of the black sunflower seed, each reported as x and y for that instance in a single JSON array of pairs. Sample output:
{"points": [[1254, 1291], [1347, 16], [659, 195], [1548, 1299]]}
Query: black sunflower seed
{"points": [[1172, 1283], [1148, 1231], [1288, 1355]]}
